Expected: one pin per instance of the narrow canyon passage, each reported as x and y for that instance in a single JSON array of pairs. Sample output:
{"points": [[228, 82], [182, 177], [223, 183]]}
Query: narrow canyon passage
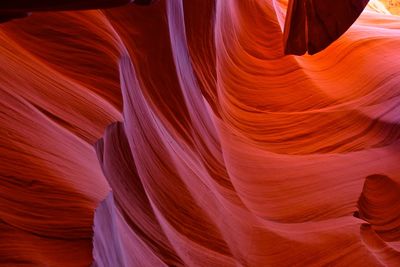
{"points": [[199, 133]]}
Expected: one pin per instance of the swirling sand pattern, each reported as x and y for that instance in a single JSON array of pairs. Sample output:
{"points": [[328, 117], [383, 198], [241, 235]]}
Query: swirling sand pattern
{"points": [[219, 149]]}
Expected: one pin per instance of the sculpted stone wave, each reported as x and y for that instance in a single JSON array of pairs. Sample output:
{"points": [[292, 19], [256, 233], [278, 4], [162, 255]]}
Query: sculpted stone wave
{"points": [[182, 134]]}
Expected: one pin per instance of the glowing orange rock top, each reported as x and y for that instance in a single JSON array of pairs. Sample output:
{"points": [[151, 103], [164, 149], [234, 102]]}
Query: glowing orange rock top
{"points": [[392, 5]]}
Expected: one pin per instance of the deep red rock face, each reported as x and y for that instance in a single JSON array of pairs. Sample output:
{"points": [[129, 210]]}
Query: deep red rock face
{"points": [[312, 25], [21, 8], [181, 134]]}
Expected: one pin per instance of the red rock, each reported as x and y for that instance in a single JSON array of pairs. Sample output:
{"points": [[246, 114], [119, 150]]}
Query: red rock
{"points": [[180, 134], [312, 25]]}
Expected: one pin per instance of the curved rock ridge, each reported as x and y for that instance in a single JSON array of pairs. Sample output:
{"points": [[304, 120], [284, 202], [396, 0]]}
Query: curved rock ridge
{"points": [[239, 155], [55, 103], [180, 134], [379, 205]]}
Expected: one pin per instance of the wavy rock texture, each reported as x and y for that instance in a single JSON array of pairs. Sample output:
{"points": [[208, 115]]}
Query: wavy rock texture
{"points": [[55, 103], [219, 149]]}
